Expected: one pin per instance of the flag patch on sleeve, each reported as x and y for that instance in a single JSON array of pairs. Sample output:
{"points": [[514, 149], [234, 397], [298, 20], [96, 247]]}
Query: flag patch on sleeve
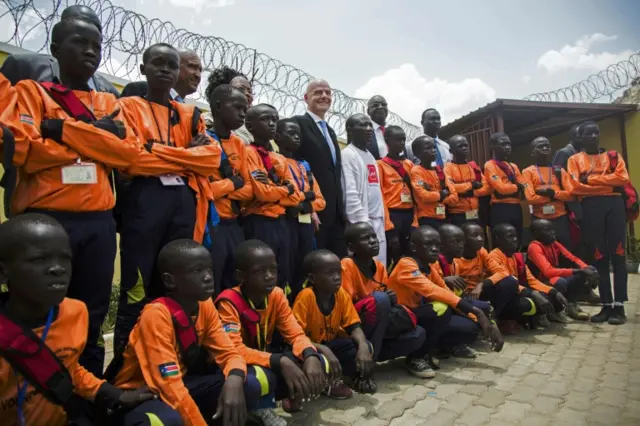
{"points": [[169, 369], [24, 118], [231, 327]]}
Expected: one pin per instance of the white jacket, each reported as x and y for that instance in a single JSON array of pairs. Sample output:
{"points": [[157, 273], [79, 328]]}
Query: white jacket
{"points": [[361, 185]]}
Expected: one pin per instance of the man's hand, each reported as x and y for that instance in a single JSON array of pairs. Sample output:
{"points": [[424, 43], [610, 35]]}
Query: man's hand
{"points": [[315, 374], [476, 292], [584, 179], [364, 360], [290, 187], [296, 380], [426, 186], [293, 212], [544, 306], [551, 193], [561, 299], [132, 398], [309, 196], [260, 176], [520, 186], [489, 329], [546, 192], [109, 124], [495, 337], [476, 185], [591, 273], [316, 221], [444, 194], [199, 140], [393, 298], [455, 283], [238, 182], [335, 368], [232, 407]]}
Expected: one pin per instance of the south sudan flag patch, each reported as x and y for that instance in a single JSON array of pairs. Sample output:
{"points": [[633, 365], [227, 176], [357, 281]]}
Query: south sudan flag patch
{"points": [[169, 369]]}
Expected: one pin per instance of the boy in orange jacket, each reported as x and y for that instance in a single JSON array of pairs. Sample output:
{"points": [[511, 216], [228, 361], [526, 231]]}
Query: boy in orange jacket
{"points": [[38, 319], [506, 182], [599, 179], [432, 188], [181, 352]]}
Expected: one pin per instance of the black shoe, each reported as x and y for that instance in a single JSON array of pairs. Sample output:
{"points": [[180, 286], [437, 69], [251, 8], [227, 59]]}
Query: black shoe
{"points": [[618, 316], [604, 314]]}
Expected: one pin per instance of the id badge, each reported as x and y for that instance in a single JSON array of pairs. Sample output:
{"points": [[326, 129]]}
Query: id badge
{"points": [[405, 197], [304, 218], [80, 174], [548, 209], [471, 214], [171, 180], [441, 210]]}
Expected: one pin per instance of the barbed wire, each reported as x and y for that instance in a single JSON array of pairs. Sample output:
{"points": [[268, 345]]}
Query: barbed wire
{"points": [[126, 34], [605, 85]]}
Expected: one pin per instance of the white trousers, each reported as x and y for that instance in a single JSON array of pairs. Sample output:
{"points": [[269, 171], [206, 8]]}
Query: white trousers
{"points": [[378, 226]]}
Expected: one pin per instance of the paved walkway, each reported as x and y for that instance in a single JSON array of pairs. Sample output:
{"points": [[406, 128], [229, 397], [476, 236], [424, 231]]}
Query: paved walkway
{"points": [[580, 374]]}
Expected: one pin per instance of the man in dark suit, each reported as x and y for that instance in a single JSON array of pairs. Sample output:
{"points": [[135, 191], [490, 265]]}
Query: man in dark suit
{"points": [[378, 111], [319, 146], [42, 67]]}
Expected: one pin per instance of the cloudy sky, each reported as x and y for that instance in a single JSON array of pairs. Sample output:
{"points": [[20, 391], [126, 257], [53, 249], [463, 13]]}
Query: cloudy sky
{"points": [[455, 55]]}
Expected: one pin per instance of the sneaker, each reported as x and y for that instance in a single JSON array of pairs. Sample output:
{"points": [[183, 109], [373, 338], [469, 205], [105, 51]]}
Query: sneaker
{"points": [[575, 312], [618, 316], [464, 351], [365, 385], [558, 317], [338, 390], [291, 405], [591, 298], [541, 321], [268, 417], [604, 314], [433, 362], [508, 327], [420, 368]]}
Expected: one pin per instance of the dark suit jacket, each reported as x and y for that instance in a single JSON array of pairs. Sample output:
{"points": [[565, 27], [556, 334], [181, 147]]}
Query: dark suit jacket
{"points": [[314, 149], [40, 67]]}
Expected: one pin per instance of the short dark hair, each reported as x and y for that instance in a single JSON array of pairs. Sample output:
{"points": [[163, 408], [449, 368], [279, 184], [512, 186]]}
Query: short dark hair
{"points": [[283, 122], [253, 111], [495, 137], [81, 12], [170, 254], [147, 52], [12, 232], [312, 259], [61, 30], [426, 111], [245, 250], [585, 124], [352, 232], [500, 229], [221, 93], [393, 129]]}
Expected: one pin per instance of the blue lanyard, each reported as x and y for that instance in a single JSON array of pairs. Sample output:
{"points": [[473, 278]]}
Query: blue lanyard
{"points": [[22, 390], [550, 176], [300, 182]]}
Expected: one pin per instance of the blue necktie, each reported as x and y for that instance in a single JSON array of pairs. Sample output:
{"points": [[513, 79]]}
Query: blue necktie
{"points": [[179, 99], [439, 161], [328, 139]]}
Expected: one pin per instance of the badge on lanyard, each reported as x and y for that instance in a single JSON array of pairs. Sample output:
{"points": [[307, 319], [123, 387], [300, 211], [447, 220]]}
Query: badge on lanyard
{"points": [[548, 209], [304, 218], [471, 214], [171, 180], [440, 210], [80, 174], [405, 197]]}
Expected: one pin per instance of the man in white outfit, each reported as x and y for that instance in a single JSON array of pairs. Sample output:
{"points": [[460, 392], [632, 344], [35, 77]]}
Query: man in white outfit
{"points": [[361, 180]]}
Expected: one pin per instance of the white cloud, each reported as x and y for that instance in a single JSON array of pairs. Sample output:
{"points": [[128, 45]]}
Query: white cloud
{"points": [[525, 79], [29, 28], [409, 94], [198, 4], [579, 55]]}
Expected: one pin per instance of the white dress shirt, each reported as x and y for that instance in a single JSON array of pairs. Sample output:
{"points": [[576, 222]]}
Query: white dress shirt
{"points": [[441, 146], [382, 145], [327, 136], [361, 185]]}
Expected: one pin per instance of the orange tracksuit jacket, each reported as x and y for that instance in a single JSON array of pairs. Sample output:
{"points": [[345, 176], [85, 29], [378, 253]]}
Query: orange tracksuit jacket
{"points": [[276, 315], [153, 344], [547, 259], [170, 153], [40, 178], [462, 176], [10, 117], [321, 328], [476, 270], [543, 177], [66, 339], [501, 184], [601, 180], [413, 286], [299, 174], [270, 200], [428, 200], [222, 189], [356, 284], [497, 261]]}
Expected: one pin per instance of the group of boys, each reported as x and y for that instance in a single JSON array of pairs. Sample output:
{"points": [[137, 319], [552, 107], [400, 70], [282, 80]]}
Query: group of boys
{"points": [[202, 216]]}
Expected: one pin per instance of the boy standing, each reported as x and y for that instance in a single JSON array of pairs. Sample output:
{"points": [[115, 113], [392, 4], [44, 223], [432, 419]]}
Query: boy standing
{"points": [[74, 142], [432, 189], [299, 217], [544, 257], [395, 182], [599, 178], [230, 184], [468, 182], [548, 189], [506, 182], [169, 194], [325, 312], [361, 182], [273, 190]]}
